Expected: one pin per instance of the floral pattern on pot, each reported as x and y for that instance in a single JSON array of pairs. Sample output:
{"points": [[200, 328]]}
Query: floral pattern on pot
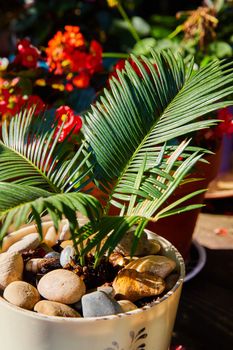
{"points": [[137, 341]]}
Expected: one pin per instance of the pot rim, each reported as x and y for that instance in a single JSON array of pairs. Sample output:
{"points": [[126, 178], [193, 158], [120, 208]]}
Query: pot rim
{"points": [[166, 245]]}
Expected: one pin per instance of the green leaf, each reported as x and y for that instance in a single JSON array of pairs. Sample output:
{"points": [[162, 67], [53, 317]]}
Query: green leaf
{"points": [[141, 26], [18, 202], [30, 154], [144, 46], [143, 113], [221, 49]]}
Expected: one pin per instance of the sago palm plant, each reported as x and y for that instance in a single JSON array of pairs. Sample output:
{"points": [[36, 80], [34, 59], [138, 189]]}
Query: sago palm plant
{"points": [[128, 151]]}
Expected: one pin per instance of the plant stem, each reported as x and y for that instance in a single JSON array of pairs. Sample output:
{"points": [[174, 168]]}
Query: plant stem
{"points": [[114, 55], [128, 21], [175, 32]]}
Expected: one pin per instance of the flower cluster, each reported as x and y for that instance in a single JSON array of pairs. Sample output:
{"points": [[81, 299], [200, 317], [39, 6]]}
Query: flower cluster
{"points": [[67, 53], [12, 100], [27, 55], [46, 79]]}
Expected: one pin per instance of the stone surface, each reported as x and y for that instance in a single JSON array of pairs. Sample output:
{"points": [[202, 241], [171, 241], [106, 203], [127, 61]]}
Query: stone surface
{"points": [[120, 260], [64, 244], [145, 246], [65, 233], [106, 289], [50, 237], [21, 294], [99, 304], [127, 305], [28, 242], [62, 286], [34, 265], [55, 255], [11, 268], [133, 285], [53, 308], [154, 264], [67, 254]]}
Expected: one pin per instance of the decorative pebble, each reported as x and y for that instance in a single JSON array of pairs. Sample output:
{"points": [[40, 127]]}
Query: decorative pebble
{"points": [[120, 260], [54, 255], [66, 243], [127, 305], [67, 254], [62, 286], [134, 285], [28, 242], [50, 237], [107, 290], [154, 264], [99, 304], [11, 268], [65, 233], [53, 308], [34, 265], [145, 245], [21, 294]]}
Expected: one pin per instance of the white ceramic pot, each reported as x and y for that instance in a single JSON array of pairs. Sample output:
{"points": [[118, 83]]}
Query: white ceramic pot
{"points": [[148, 328]]}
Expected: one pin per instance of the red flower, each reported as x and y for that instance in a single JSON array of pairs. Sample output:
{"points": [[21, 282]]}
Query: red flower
{"points": [[28, 55], [94, 60], [226, 124], [72, 121]]}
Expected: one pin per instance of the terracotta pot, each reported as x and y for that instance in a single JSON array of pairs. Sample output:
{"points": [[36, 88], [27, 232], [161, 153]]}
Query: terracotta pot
{"points": [[179, 228], [148, 328]]}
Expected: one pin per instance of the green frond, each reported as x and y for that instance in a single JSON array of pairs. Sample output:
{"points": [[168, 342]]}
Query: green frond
{"points": [[132, 127], [30, 154], [18, 203], [129, 142]]}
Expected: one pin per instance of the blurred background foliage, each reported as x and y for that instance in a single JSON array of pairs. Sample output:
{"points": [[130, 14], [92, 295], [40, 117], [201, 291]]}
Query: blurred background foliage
{"points": [[200, 28]]}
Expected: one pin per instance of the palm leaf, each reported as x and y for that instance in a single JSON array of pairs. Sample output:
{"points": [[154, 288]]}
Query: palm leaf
{"points": [[30, 154], [18, 202], [142, 210], [129, 136], [136, 120]]}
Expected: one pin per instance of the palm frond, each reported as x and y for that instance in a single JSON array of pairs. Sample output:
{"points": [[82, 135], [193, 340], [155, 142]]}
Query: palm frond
{"points": [[129, 140], [30, 154], [134, 123], [19, 202], [144, 202]]}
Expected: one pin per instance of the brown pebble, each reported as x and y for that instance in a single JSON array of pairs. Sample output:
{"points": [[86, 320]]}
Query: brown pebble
{"points": [[53, 308], [154, 264], [62, 286], [21, 294], [11, 268], [134, 285]]}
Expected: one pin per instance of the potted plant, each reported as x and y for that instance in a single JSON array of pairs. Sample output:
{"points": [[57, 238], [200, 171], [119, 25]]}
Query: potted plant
{"points": [[128, 151]]}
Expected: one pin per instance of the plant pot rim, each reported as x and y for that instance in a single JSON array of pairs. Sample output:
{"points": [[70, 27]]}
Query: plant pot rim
{"points": [[166, 245]]}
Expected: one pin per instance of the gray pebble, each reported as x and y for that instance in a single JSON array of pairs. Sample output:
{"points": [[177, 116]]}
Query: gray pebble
{"points": [[107, 290], [55, 255], [99, 304]]}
